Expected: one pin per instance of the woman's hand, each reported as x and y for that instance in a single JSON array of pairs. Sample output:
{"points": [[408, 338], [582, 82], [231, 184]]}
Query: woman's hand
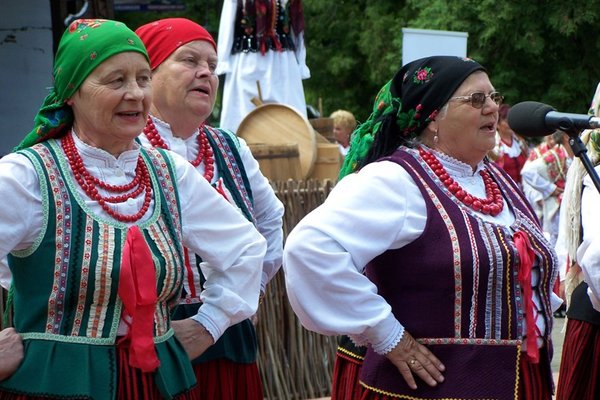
{"points": [[11, 352], [411, 357], [194, 337]]}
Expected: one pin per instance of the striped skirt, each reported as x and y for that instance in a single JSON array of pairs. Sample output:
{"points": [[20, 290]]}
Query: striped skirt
{"points": [[579, 376]]}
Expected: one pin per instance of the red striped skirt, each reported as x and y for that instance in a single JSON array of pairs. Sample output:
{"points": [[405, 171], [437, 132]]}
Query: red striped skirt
{"points": [[225, 380], [132, 384], [345, 384], [579, 375]]}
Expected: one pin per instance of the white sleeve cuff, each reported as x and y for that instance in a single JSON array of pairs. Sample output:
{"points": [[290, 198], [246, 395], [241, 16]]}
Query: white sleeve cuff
{"points": [[212, 328], [383, 338]]}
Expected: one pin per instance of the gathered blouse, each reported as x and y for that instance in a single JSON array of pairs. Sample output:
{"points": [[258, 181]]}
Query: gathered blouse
{"points": [[231, 292], [377, 209]]}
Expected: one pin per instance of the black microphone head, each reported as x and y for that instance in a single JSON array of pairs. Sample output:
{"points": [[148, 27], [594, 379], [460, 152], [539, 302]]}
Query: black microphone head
{"points": [[529, 118]]}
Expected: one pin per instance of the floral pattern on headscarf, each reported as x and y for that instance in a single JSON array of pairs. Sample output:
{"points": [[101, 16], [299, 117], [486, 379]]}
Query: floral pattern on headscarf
{"points": [[413, 99], [85, 44]]}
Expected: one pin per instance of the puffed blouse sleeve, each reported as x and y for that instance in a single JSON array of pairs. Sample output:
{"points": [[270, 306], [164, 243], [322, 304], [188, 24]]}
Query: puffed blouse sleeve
{"points": [[231, 248], [367, 213]]}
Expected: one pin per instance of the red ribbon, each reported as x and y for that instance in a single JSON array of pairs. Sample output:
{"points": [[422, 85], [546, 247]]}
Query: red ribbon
{"points": [[137, 290], [526, 257]]}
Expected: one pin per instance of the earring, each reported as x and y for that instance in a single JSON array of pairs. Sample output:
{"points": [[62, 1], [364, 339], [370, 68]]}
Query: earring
{"points": [[436, 139]]}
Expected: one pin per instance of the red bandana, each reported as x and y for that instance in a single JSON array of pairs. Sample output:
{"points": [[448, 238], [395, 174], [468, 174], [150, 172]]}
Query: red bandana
{"points": [[164, 36]]}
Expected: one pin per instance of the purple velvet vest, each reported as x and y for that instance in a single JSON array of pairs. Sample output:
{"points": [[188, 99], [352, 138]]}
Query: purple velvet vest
{"points": [[455, 289]]}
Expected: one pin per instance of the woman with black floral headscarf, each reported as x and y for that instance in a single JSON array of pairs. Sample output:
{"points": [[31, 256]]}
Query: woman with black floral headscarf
{"points": [[428, 254]]}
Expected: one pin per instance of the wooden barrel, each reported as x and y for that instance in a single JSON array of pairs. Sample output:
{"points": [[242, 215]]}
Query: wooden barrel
{"points": [[323, 126], [278, 124], [278, 162], [328, 162]]}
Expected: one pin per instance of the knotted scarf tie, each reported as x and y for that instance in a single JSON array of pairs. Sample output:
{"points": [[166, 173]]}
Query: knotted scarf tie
{"points": [[526, 258], [137, 290]]}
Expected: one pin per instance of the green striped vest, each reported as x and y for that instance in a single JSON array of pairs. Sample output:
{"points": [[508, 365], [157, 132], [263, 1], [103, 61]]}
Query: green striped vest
{"points": [[65, 286]]}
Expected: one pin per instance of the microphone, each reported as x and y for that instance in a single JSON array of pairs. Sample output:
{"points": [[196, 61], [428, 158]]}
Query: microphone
{"points": [[531, 118]]}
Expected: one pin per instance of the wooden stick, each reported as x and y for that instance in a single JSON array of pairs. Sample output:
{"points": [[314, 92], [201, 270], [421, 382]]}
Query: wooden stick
{"points": [[259, 91]]}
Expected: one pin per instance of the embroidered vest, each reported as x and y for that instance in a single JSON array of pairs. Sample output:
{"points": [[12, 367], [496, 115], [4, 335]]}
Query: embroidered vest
{"points": [[238, 343], [66, 305], [455, 289], [266, 30]]}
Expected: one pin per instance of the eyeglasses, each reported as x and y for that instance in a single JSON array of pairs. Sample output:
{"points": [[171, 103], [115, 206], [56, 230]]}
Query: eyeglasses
{"points": [[478, 99]]}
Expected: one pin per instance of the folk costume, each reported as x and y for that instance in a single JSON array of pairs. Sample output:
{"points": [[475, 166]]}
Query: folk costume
{"points": [[544, 175], [261, 41], [534, 196], [228, 369], [93, 284], [579, 374], [511, 156], [472, 283]]}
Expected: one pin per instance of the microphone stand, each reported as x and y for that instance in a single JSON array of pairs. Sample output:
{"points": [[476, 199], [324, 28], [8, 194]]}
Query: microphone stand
{"points": [[579, 150]]}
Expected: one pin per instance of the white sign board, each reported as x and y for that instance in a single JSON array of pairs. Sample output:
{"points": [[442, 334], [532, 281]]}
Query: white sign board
{"points": [[419, 43]]}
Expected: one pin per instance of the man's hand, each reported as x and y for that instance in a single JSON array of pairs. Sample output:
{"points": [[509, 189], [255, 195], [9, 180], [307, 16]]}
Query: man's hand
{"points": [[11, 352]]}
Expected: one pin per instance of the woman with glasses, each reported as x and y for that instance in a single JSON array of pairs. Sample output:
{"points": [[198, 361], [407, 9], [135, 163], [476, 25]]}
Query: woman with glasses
{"points": [[426, 252]]}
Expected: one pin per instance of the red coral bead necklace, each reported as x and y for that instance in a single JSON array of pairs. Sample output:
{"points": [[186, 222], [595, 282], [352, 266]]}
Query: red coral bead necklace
{"points": [[492, 204], [90, 184], [205, 152]]}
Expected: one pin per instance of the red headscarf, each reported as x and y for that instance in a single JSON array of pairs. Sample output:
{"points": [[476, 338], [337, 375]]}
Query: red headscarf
{"points": [[164, 36]]}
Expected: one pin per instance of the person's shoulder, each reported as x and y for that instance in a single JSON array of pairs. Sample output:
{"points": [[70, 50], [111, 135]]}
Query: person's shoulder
{"points": [[226, 134]]}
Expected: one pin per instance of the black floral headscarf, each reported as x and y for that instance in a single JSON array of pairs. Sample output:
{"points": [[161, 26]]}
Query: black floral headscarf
{"points": [[405, 106]]}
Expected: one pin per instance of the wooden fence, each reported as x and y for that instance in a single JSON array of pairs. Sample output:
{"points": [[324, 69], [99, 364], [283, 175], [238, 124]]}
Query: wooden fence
{"points": [[295, 364]]}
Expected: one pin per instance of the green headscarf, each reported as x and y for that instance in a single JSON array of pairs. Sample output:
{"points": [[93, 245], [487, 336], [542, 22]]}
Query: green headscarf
{"points": [[86, 44]]}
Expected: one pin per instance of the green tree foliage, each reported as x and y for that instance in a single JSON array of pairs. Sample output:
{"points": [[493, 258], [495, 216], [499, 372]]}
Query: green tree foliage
{"points": [[541, 50]]}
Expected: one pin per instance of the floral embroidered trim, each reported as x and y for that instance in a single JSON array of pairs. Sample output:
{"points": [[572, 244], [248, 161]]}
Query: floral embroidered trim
{"points": [[470, 341]]}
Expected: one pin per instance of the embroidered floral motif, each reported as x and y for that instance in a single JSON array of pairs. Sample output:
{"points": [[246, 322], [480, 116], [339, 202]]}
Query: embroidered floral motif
{"points": [[81, 24], [422, 75]]}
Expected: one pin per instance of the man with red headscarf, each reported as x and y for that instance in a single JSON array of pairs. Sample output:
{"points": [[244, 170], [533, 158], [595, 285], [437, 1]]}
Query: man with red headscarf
{"points": [[183, 59]]}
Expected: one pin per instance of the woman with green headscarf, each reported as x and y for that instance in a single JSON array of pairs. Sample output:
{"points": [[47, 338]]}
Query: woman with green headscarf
{"points": [[94, 229], [426, 252]]}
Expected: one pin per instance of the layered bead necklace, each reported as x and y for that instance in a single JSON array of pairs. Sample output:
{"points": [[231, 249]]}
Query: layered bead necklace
{"points": [[491, 205], [90, 184], [205, 152]]}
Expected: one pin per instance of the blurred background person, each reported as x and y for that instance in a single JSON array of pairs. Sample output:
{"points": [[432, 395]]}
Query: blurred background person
{"points": [[511, 150], [343, 125], [546, 175]]}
